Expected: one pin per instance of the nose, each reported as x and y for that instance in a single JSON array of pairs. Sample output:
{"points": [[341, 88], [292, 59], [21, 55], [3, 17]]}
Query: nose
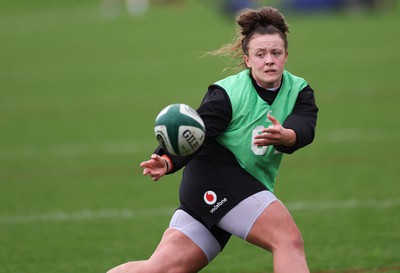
{"points": [[269, 59]]}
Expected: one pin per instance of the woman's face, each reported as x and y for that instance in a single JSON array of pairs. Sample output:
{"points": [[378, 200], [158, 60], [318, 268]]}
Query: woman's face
{"points": [[266, 58]]}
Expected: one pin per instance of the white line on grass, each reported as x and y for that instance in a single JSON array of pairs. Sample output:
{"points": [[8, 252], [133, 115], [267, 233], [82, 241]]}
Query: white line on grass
{"points": [[344, 204], [85, 215]]}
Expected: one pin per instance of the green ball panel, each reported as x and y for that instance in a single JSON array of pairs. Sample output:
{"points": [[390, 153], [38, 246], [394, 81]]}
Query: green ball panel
{"points": [[173, 117]]}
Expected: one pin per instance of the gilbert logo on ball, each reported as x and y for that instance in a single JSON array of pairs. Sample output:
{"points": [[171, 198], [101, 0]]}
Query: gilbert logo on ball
{"points": [[179, 129], [210, 197]]}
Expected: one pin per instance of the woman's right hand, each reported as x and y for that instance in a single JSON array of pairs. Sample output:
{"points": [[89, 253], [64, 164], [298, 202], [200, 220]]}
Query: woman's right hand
{"points": [[156, 167]]}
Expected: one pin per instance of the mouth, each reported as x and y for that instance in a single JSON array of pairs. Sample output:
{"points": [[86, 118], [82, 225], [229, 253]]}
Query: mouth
{"points": [[270, 71]]}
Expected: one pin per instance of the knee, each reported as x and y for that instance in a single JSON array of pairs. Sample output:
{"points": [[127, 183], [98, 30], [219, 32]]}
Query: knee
{"points": [[293, 241], [298, 242]]}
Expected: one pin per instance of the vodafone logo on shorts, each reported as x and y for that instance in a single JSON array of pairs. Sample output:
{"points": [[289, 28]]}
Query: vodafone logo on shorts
{"points": [[210, 197]]}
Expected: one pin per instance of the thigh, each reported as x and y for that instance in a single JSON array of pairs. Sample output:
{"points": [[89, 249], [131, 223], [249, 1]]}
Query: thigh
{"points": [[239, 220], [176, 253], [274, 226], [202, 237]]}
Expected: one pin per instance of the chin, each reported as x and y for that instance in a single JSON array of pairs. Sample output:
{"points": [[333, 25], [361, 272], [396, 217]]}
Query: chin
{"points": [[272, 82]]}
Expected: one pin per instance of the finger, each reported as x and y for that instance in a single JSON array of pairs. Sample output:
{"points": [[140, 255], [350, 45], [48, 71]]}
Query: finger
{"points": [[268, 130], [262, 142], [144, 164], [155, 176], [261, 136], [265, 133], [158, 161], [152, 157], [146, 171], [273, 120]]}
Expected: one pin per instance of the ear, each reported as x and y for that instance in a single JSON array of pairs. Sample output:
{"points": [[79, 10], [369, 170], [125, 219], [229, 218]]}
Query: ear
{"points": [[246, 61], [286, 55]]}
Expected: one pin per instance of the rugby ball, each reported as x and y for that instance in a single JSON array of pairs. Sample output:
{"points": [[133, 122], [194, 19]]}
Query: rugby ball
{"points": [[179, 129]]}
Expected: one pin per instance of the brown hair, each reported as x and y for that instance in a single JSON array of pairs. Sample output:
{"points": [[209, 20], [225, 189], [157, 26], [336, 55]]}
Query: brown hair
{"points": [[266, 20]]}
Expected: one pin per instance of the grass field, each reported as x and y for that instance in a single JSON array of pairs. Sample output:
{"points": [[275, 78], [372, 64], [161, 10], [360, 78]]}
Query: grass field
{"points": [[78, 98]]}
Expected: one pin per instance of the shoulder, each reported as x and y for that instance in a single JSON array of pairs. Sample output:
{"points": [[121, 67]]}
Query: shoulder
{"points": [[307, 94], [293, 80], [216, 93], [292, 76], [233, 79]]}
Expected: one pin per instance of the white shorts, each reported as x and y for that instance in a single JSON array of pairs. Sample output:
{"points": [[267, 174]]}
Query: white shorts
{"points": [[238, 221]]}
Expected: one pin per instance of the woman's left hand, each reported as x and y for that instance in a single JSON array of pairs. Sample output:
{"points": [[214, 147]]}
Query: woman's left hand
{"points": [[275, 134]]}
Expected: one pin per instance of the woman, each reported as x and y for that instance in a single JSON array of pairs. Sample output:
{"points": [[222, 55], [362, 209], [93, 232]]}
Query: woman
{"points": [[251, 119]]}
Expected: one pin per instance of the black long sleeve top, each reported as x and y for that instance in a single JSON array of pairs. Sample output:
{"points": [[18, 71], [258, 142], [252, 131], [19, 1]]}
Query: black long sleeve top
{"points": [[216, 112]]}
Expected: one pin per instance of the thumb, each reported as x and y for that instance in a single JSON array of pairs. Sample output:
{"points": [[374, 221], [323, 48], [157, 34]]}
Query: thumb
{"points": [[155, 157], [273, 120]]}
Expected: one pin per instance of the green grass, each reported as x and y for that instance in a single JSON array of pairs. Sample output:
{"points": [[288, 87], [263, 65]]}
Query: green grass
{"points": [[78, 98]]}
